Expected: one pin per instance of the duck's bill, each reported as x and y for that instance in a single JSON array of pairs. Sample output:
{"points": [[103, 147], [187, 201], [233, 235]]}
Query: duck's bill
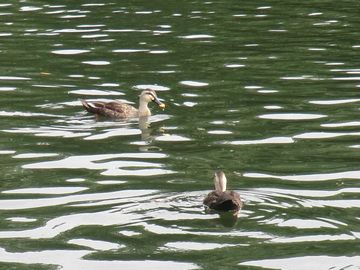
{"points": [[159, 103]]}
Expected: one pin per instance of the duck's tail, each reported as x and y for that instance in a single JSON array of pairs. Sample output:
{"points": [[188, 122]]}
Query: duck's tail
{"points": [[89, 106], [220, 181]]}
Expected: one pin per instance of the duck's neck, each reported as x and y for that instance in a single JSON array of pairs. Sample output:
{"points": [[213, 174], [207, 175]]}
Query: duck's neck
{"points": [[144, 109]]}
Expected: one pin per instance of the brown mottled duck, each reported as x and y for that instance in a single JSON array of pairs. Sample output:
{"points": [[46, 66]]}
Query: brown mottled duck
{"points": [[116, 109], [221, 199]]}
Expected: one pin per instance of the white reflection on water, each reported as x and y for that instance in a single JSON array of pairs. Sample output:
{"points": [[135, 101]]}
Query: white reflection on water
{"points": [[114, 133], [62, 224], [182, 245], [273, 107], [13, 78], [172, 138], [199, 36], [194, 83], [324, 135], [345, 124], [94, 92], [234, 65], [129, 201], [309, 177], [154, 87], [309, 262], [121, 197], [111, 167], [72, 127], [75, 180], [69, 51], [110, 182], [219, 132], [7, 152], [302, 223], [292, 116], [346, 78], [312, 238], [21, 219], [97, 63], [73, 260], [303, 192], [51, 190], [73, 30], [137, 208], [144, 172], [334, 102], [273, 140], [129, 50], [129, 233], [27, 114], [95, 244], [7, 88], [49, 132], [35, 155], [190, 104], [300, 197], [163, 230]]}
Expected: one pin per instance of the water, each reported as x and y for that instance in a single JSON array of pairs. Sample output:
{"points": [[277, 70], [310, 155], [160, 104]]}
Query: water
{"points": [[268, 92]]}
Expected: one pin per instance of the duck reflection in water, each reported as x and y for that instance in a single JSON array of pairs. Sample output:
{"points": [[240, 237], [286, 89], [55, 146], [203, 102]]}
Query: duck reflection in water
{"points": [[224, 202]]}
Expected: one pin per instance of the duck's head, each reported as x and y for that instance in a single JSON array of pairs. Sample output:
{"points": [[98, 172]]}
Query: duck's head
{"points": [[220, 181], [150, 95]]}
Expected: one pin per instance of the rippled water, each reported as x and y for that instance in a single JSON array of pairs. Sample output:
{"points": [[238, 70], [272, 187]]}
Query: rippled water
{"points": [[268, 92]]}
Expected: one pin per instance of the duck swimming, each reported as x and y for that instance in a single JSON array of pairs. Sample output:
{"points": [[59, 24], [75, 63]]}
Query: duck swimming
{"points": [[221, 199], [116, 109]]}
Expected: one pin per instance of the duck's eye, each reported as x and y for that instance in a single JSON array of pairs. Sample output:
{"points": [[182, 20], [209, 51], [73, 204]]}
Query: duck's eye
{"points": [[151, 96]]}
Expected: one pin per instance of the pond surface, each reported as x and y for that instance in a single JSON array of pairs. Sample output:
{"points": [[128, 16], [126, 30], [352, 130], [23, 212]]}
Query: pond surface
{"points": [[266, 91]]}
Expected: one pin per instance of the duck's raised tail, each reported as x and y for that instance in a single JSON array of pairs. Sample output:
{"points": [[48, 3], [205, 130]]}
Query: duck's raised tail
{"points": [[90, 107], [220, 181]]}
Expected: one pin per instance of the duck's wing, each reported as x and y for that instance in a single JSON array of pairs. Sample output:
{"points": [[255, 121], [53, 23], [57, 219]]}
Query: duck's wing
{"points": [[110, 109]]}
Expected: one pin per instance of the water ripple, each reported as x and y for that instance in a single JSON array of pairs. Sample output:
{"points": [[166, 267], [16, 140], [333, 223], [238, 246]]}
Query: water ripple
{"points": [[13, 78], [52, 190], [199, 36], [70, 51], [121, 197], [95, 244], [292, 116], [189, 246], [334, 102], [308, 262], [324, 135], [273, 140], [194, 83], [27, 114], [309, 177], [111, 167], [95, 92], [76, 257]]}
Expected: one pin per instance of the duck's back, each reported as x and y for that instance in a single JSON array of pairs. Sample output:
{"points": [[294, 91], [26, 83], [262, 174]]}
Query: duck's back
{"points": [[223, 201], [111, 109]]}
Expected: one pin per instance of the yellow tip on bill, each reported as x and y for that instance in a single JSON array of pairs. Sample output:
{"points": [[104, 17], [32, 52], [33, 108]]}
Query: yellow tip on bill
{"points": [[162, 106]]}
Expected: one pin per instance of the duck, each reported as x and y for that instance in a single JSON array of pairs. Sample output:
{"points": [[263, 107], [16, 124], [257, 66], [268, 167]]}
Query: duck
{"points": [[117, 109], [220, 199]]}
